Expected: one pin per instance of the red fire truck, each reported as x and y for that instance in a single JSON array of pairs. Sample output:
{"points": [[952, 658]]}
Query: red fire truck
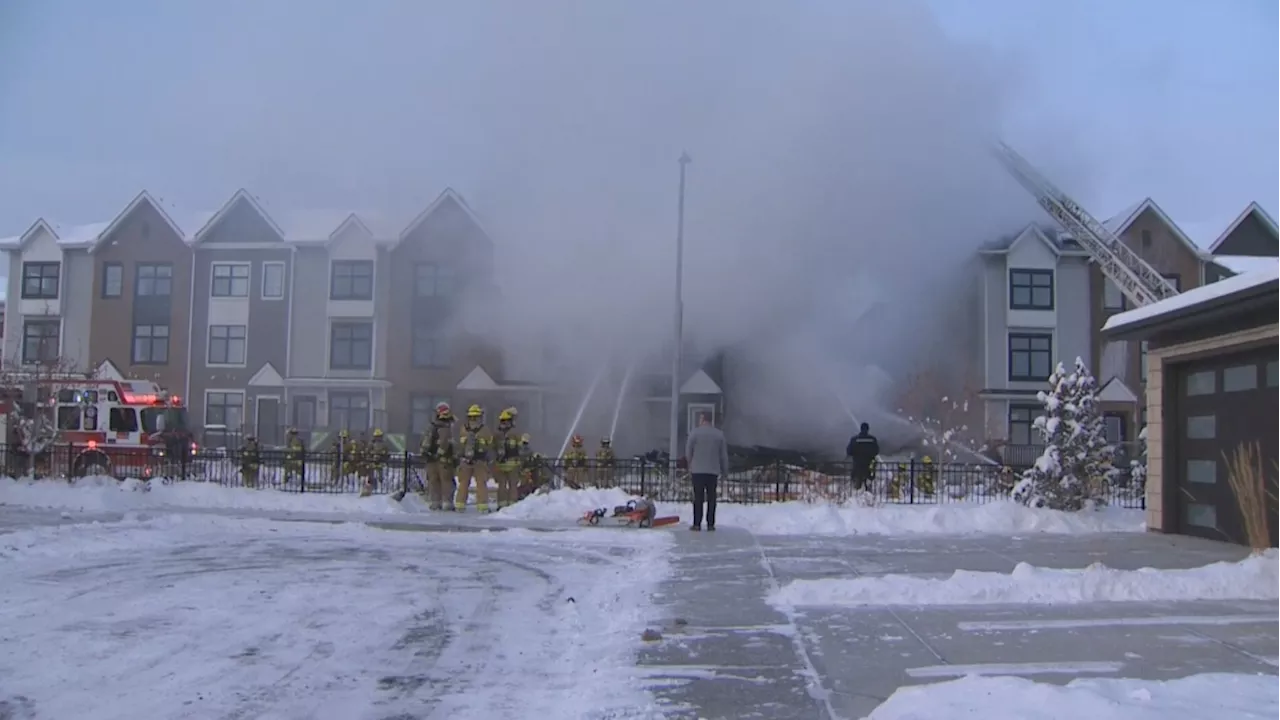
{"points": [[118, 428]]}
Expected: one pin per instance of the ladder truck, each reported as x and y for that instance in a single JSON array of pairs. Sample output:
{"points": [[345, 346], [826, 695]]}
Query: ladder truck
{"points": [[1138, 281]]}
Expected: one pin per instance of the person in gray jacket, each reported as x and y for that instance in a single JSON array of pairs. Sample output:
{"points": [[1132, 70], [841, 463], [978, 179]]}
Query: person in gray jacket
{"points": [[708, 457]]}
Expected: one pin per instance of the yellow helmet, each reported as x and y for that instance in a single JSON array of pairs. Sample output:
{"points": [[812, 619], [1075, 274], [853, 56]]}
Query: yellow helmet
{"points": [[344, 433], [927, 459], [474, 411], [526, 439], [377, 432], [507, 415]]}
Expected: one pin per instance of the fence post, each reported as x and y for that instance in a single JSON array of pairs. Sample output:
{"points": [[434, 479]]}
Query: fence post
{"points": [[911, 485], [404, 473], [643, 468], [302, 472], [786, 480]]}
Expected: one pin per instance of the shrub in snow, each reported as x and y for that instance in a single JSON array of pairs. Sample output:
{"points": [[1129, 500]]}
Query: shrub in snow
{"points": [[1138, 466], [1076, 466]]}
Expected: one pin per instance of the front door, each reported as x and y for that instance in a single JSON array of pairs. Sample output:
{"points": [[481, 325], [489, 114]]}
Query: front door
{"points": [[269, 421]]}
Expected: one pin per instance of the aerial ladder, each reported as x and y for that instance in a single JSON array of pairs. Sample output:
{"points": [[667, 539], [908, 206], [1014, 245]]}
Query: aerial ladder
{"points": [[1138, 281]]}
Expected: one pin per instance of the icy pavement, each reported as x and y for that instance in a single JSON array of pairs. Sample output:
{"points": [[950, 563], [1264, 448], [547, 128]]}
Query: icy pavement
{"points": [[197, 616], [726, 653]]}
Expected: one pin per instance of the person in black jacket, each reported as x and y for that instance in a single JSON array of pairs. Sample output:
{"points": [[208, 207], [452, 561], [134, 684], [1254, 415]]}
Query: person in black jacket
{"points": [[862, 450]]}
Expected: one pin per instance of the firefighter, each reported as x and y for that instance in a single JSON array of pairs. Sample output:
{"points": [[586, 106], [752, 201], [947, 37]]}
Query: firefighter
{"points": [[439, 453], [575, 464], [508, 445], [605, 464], [340, 449], [293, 456], [532, 468], [250, 461], [373, 463], [474, 443], [928, 476]]}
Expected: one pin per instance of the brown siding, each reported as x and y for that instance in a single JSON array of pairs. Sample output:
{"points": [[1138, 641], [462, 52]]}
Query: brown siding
{"points": [[142, 237], [444, 237], [1250, 237]]}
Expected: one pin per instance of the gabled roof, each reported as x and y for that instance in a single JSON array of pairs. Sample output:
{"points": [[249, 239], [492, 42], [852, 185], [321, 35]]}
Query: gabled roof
{"points": [[1119, 223], [267, 376], [309, 226], [447, 194], [107, 370], [700, 384], [1253, 209], [200, 235], [478, 379], [1005, 245], [65, 235], [1116, 391], [142, 197]]}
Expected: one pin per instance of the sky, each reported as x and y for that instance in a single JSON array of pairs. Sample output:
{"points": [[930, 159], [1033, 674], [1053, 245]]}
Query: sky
{"points": [[840, 147]]}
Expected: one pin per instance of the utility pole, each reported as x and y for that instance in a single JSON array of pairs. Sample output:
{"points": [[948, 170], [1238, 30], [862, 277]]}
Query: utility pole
{"points": [[674, 449]]}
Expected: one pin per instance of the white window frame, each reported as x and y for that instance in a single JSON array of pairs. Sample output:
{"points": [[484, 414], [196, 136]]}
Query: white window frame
{"points": [[248, 281], [284, 277], [694, 409], [209, 347]]}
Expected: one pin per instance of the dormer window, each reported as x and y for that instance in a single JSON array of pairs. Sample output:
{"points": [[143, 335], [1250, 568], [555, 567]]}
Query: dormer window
{"points": [[1030, 289], [40, 280]]}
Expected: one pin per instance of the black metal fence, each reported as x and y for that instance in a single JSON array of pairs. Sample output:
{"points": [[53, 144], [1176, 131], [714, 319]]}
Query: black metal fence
{"points": [[906, 482]]}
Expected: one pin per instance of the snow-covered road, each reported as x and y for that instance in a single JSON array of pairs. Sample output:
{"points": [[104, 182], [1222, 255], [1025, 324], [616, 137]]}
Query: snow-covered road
{"points": [[211, 617]]}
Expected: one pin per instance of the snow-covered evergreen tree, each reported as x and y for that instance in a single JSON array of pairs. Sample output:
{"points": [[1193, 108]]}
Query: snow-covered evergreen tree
{"points": [[1076, 465], [1138, 466]]}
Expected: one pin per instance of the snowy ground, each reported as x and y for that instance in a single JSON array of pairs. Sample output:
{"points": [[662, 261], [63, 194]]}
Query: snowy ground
{"points": [[792, 610], [195, 616]]}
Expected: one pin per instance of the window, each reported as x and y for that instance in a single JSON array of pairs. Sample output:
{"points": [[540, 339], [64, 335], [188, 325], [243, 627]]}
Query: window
{"points": [[40, 341], [154, 280], [1201, 383], [1112, 298], [1202, 471], [1202, 427], [1201, 515], [226, 344], [40, 281], [150, 344], [224, 408], [230, 280], [1030, 289], [1143, 348], [1114, 427], [112, 280], [1243, 377], [69, 417], [1022, 424], [122, 419], [1030, 356], [1174, 279], [349, 411], [433, 280], [272, 280], [430, 348], [351, 346], [422, 408], [351, 280]]}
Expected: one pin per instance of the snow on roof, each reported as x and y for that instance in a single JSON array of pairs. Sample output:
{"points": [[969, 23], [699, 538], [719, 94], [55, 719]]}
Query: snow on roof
{"points": [[1193, 297], [1240, 264], [77, 234], [305, 225]]}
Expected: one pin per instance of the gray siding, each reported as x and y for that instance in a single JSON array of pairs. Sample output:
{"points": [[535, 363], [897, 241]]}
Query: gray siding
{"points": [[77, 306], [1250, 237], [310, 327], [1074, 331], [997, 329], [12, 318]]}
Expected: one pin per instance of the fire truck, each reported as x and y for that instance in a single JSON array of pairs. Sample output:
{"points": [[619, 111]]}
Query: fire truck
{"points": [[91, 426]]}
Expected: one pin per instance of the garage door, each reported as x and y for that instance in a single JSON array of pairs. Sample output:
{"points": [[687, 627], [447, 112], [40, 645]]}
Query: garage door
{"points": [[1222, 402]]}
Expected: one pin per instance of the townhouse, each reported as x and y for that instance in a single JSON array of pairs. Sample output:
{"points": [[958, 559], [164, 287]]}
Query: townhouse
{"points": [[1045, 302]]}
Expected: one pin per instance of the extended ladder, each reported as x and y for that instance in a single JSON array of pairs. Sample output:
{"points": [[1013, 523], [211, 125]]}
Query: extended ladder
{"points": [[1138, 281]]}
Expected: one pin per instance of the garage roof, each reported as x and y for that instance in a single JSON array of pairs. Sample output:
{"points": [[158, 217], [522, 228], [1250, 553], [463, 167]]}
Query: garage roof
{"points": [[1222, 295]]}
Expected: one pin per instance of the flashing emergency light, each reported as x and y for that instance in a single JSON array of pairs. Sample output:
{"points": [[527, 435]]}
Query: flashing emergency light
{"points": [[93, 444]]}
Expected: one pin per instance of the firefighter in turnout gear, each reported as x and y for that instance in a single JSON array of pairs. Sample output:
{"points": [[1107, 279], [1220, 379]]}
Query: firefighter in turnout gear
{"points": [[533, 473], [475, 442], [250, 461], [373, 463], [293, 456], [438, 452], [605, 464], [575, 464], [343, 448], [507, 445]]}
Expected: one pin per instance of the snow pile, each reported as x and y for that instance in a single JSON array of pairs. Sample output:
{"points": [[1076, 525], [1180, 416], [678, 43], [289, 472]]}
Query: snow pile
{"points": [[1075, 467], [103, 494], [1220, 696], [1254, 578], [799, 518]]}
